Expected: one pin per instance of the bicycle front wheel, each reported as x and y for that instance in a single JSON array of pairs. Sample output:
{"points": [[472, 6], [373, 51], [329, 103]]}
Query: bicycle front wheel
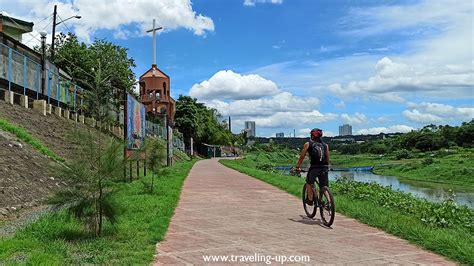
{"points": [[327, 207]]}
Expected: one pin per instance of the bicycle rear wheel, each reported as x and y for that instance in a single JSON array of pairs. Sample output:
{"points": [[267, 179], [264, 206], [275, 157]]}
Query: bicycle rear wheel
{"points": [[327, 207], [309, 210]]}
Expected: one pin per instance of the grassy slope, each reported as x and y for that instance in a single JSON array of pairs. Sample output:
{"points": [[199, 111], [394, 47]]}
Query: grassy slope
{"points": [[23, 135], [143, 221], [455, 244], [455, 168]]}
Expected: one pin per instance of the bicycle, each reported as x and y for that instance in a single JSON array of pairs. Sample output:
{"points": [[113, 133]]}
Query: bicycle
{"points": [[322, 199]]}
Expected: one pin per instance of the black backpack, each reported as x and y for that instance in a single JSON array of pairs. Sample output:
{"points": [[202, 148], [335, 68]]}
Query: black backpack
{"points": [[318, 152]]}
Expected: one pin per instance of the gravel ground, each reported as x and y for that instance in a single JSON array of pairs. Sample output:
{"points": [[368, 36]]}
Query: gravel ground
{"points": [[10, 226]]}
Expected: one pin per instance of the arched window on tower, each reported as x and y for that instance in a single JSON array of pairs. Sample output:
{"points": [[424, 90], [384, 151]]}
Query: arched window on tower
{"points": [[157, 95], [164, 88]]}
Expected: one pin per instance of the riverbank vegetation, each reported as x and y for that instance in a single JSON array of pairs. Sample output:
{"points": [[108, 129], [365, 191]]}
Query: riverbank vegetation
{"points": [[441, 227], [428, 139], [440, 154], [141, 221], [435, 154], [454, 166]]}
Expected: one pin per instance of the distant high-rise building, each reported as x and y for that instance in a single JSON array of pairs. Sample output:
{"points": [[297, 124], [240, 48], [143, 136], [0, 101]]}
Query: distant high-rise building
{"points": [[250, 126], [345, 130], [280, 135]]}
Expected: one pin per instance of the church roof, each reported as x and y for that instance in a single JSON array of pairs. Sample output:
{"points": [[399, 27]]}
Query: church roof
{"points": [[154, 71]]}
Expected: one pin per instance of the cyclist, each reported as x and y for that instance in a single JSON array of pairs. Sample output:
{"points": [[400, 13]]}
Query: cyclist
{"points": [[319, 155]]}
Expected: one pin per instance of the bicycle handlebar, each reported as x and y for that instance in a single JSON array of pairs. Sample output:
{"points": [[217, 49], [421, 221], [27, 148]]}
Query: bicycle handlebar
{"points": [[295, 171]]}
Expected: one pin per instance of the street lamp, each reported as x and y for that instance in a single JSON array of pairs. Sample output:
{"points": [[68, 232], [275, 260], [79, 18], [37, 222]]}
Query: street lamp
{"points": [[54, 28], [43, 56]]}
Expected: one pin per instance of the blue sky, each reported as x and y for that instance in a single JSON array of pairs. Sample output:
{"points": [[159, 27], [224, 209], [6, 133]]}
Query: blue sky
{"points": [[297, 64]]}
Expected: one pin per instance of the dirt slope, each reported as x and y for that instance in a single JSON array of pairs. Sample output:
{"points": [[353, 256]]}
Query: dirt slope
{"points": [[25, 176], [51, 130]]}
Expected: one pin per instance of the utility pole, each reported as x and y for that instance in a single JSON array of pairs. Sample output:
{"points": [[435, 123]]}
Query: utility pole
{"points": [[230, 126], [54, 32], [55, 14], [168, 144], [125, 133]]}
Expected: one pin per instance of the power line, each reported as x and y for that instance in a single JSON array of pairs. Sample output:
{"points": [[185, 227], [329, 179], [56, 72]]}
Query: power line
{"points": [[73, 64], [44, 19], [62, 21], [20, 26], [51, 21]]}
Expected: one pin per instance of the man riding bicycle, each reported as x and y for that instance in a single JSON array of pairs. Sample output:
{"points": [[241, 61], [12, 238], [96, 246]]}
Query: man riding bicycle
{"points": [[319, 154]]}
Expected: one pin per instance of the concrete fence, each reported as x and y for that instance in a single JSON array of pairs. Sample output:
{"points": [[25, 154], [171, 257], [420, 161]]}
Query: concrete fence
{"points": [[21, 72]]}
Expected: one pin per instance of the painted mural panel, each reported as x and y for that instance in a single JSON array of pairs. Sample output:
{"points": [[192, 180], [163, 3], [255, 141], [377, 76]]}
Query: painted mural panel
{"points": [[135, 124]]}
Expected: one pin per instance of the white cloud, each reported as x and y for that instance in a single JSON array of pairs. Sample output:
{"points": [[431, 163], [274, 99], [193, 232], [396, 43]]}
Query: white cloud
{"points": [[136, 87], [254, 2], [390, 129], [440, 60], [251, 97], [277, 111], [314, 76], [434, 63], [340, 105], [329, 133], [304, 133], [291, 119], [128, 19], [228, 85], [393, 77], [425, 113], [354, 119], [423, 118], [282, 102]]}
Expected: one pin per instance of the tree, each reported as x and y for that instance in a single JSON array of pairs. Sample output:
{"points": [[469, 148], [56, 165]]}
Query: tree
{"points": [[90, 175], [156, 155], [186, 117], [95, 165], [201, 123], [81, 61]]}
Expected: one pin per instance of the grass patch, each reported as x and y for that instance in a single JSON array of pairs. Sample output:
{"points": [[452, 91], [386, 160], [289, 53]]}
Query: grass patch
{"points": [[367, 205], [142, 221], [24, 136]]}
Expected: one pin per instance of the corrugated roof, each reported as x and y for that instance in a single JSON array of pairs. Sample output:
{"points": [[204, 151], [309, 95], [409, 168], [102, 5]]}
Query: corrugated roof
{"points": [[15, 20]]}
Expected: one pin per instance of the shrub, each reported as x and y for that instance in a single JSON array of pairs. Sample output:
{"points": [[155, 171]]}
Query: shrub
{"points": [[402, 154], [265, 167], [445, 214], [427, 161]]}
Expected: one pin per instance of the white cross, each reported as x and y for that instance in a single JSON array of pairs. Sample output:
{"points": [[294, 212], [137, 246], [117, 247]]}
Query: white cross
{"points": [[154, 29]]}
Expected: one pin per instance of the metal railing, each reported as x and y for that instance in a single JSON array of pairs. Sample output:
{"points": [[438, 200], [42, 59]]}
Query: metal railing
{"points": [[160, 131], [23, 75]]}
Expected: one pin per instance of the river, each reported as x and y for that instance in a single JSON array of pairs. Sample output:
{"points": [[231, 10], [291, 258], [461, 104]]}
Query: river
{"points": [[434, 192]]}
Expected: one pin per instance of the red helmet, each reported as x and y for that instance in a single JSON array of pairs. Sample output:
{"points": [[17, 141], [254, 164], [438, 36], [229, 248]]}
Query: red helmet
{"points": [[316, 133]]}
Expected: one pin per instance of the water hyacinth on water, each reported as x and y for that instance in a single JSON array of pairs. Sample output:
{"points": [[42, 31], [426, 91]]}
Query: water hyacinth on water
{"points": [[445, 214]]}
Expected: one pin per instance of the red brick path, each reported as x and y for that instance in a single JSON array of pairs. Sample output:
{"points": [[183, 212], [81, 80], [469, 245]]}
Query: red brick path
{"points": [[224, 212]]}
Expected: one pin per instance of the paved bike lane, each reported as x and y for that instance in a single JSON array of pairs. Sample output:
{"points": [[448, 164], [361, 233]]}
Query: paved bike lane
{"points": [[222, 212]]}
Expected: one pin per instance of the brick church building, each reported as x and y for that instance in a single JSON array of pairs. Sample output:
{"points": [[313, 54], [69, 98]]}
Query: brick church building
{"points": [[155, 93]]}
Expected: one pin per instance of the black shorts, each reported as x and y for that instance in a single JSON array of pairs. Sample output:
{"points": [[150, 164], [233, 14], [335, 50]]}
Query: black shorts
{"points": [[321, 172]]}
